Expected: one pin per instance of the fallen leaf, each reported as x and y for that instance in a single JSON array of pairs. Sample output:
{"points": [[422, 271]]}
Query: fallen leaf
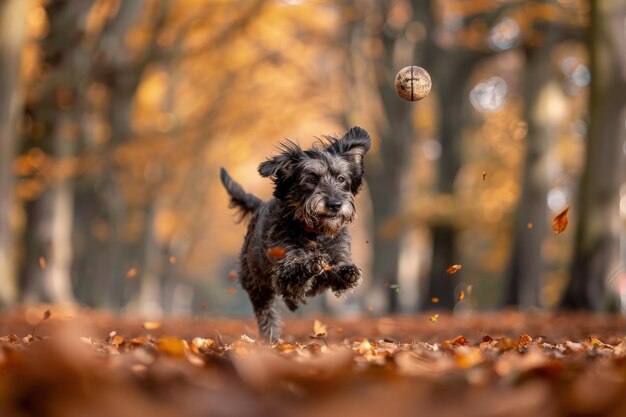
{"points": [[453, 269], [435, 300], [525, 340], [461, 296], [152, 325], [117, 340], [171, 345], [434, 318], [599, 344], [457, 341], [276, 252], [319, 329], [559, 223]]}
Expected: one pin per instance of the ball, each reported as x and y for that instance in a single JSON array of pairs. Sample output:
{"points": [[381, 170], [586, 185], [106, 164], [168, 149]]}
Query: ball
{"points": [[413, 83]]}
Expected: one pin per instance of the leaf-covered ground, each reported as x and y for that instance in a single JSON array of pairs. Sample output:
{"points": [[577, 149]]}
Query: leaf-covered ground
{"points": [[86, 363]]}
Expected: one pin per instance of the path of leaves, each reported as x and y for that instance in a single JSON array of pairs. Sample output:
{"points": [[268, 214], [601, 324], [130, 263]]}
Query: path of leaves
{"points": [[85, 363]]}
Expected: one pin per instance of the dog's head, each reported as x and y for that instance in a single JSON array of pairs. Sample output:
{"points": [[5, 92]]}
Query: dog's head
{"points": [[319, 184]]}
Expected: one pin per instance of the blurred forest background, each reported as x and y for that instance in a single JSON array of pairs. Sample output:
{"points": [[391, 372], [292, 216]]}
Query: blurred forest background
{"points": [[116, 115]]}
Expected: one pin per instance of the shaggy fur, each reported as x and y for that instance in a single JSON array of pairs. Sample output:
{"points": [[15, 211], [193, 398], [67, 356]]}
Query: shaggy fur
{"points": [[297, 244]]}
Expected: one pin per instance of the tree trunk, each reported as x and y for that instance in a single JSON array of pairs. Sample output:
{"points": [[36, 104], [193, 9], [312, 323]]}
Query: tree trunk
{"points": [[12, 19], [526, 267], [596, 246], [454, 69]]}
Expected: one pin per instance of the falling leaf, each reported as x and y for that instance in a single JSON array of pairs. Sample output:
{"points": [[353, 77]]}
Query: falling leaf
{"points": [[319, 329], [131, 273], [232, 275], [434, 318], [42, 262], [173, 260], [367, 242], [232, 290], [46, 314], [525, 340], [530, 225], [276, 252], [461, 296], [469, 290], [453, 269], [152, 325], [559, 223], [435, 300], [484, 175]]}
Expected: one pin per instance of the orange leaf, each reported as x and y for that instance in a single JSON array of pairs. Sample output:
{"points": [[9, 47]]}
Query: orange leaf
{"points": [[131, 273], [171, 345], [435, 300], [276, 252], [42, 262], [232, 290], [117, 340], [327, 267], [232, 275], [525, 340], [434, 318], [461, 296], [457, 341], [559, 223], [453, 269]]}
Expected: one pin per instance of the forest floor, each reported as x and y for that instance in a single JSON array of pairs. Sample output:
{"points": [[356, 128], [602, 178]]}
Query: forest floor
{"points": [[64, 362]]}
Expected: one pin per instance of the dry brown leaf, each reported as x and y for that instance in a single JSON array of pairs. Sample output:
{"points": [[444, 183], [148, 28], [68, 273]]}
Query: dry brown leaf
{"points": [[46, 314], [152, 325], [461, 296], [559, 223], [453, 269], [276, 252], [319, 329], [457, 341], [484, 175], [117, 340], [599, 344]]}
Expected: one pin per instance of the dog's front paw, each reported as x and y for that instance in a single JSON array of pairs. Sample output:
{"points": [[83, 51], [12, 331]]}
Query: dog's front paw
{"points": [[316, 264], [348, 277]]}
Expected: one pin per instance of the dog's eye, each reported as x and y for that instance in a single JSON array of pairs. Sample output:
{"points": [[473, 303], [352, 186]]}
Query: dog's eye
{"points": [[312, 179], [341, 179]]}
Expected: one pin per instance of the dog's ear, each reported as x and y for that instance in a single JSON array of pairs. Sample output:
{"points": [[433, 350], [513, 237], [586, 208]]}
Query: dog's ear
{"points": [[352, 146], [281, 166]]}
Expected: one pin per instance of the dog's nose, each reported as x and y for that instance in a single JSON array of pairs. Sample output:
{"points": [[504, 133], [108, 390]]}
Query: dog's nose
{"points": [[333, 205]]}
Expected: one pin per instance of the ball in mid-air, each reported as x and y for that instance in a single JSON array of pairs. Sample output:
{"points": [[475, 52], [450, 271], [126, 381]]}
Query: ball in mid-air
{"points": [[413, 83]]}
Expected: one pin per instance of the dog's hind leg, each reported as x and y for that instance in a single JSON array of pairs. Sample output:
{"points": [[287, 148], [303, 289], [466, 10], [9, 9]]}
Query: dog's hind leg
{"points": [[263, 300]]}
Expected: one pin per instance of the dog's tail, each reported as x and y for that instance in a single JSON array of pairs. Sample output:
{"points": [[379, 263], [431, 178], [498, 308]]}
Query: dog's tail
{"points": [[245, 202]]}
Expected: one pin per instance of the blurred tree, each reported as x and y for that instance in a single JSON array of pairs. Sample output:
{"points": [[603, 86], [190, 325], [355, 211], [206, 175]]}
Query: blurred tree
{"points": [[596, 246], [12, 22], [545, 29], [57, 108]]}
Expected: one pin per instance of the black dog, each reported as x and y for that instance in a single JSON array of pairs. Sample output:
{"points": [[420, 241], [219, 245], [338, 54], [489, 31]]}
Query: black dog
{"points": [[297, 244]]}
